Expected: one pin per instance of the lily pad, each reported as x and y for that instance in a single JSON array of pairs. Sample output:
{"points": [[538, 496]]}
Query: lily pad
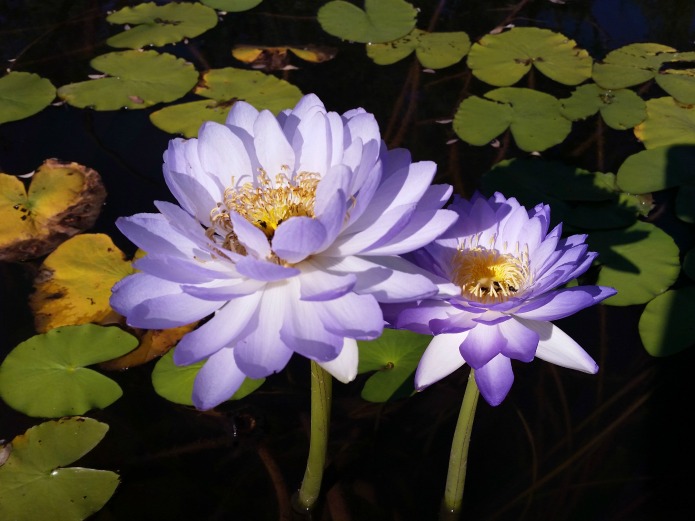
{"points": [[657, 169], [666, 326], [433, 50], [223, 87], [394, 355], [685, 203], [175, 383], [23, 94], [668, 123], [136, 80], [46, 375], [620, 109], [641, 262], [73, 285], [533, 117], [380, 21], [63, 199], [160, 24], [35, 482], [503, 59], [232, 6], [679, 83], [278, 58]]}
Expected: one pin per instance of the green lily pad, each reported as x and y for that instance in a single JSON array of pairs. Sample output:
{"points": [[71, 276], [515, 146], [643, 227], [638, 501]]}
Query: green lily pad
{"points": [[689, 264], [23, 94], [232, 6], [503, 59], [394, 355], [175, 383], [223, 87], [666, 326], [685, 203], [137, 79], [433, 50], [35, 482], [667, 123], [641, 262], [620, 109], [159, 25], [46, 375], [380, 21], [533, 117], [679, 83], [657, 169], [634, 64]]}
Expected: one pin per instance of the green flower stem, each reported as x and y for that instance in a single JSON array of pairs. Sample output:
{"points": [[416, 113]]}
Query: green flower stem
{"points": [[458, 458], [321, 388]]}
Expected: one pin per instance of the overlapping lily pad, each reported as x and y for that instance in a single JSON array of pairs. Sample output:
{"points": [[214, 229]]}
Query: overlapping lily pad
{"points": [[503, 59], [35, 482], [666, 326], [433, 50], [23, 94], [668, 123], [47, 375], [380, 21], [657, 169], [275, 58], [135, 80], [223, 87], [621, 109], [159, 25], [232, 6]]}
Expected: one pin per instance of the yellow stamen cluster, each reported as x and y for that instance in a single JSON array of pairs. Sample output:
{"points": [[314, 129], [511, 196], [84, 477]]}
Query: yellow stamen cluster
{"points": [[488, 276]]}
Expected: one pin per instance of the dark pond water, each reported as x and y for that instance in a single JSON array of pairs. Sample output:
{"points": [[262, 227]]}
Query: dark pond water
{"points": [[563, 445]]}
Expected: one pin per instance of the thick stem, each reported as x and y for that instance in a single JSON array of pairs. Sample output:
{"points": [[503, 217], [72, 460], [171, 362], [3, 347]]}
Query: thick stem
{"points": [[458, 458]]}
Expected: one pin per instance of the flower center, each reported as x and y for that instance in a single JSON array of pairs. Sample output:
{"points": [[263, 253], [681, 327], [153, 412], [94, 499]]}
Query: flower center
{"points": [[489, 276]]}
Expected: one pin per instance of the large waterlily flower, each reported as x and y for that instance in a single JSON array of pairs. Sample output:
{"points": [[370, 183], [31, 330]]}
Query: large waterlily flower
{"points": [[287, 236], [507, 268]]}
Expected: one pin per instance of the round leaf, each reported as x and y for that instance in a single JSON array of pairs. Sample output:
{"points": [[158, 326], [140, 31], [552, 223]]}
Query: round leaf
{"points": [[232, 6], [23, 94], [478, 121], [678, 83], [667, 123], [34, 483], [657, 169], [433, 50], [46, 375], [666, 326], [620, 109], [381, 20]]}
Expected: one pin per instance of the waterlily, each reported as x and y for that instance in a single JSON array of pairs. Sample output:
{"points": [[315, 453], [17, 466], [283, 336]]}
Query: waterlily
{"points": [[286, 239], [510, 271]]}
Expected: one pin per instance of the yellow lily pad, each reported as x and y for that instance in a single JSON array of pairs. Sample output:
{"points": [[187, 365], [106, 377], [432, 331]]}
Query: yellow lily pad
{"points": [[63, 199]]}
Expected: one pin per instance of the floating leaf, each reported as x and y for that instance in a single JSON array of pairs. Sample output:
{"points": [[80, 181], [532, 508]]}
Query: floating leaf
{"points": [[657, 169], [381, 20], [667, 123], [433, 50], [666, 326], [175, 383], [641, 262], [679, 83], [224, 87], [503, 59], [136, 80], [159, 25], [533, 117], [278, 58], [620, 109], [35, 482], [23, 94], [394, 355], [63, 199], [46, 375], [685, 203], [232, 6]]}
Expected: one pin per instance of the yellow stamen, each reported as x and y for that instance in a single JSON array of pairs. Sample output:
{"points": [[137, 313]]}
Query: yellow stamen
{"points": [[488, 276]]}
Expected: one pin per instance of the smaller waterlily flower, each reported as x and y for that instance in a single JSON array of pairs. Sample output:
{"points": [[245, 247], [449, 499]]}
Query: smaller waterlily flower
{"points": [[507, 266]]}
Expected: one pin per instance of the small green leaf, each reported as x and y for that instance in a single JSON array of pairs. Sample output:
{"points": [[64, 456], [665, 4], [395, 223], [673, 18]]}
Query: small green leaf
{"points": [[159, 25], [23, 94], [394, 355], [433, 50], [381, 20], [232, 6], [657, 169], [666, 326], [478, 121], [35, 483], [620, 109], [678, 83], [667, 123], [46, 375]]}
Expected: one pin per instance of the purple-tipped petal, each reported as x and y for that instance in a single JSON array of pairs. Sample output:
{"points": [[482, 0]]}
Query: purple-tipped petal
{"points": [[297, 238], [495, 379], [264, 270], [564, 302], [482, 344], [521, 341], [217, 380]]}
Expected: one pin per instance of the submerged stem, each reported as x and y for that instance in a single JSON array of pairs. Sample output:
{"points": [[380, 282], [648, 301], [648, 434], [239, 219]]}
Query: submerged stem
{"points": [[458, 458]]}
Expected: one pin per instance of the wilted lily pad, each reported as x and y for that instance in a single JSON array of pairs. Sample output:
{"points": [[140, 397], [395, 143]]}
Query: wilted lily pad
{"points": [[224, 87], [433, 50], [47, 375], [503, 59], [35, 482], [136, 80], [232, 6], [668, 123], [657, 169], [73, 285], [63, 199], [394, 355], [23, 94], [381, 20], [641, 262], [666, 326], [620, 109], [160, 24], [175, 383], [278, 58], [533, 117]]}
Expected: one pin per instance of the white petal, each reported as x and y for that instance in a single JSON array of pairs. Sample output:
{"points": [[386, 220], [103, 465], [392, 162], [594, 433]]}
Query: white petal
{"points": [[274, 152], [441, 358], [344, 366], [222, 154]]}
